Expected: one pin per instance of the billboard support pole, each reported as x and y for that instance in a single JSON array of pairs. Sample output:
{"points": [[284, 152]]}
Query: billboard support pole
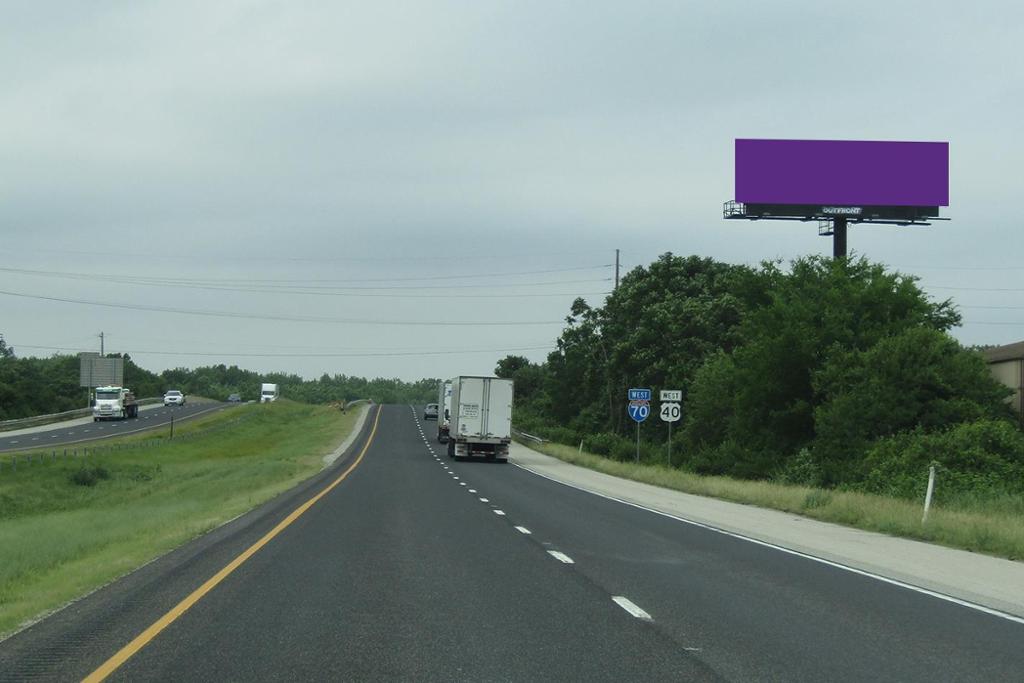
{"points": [[839, 237]]}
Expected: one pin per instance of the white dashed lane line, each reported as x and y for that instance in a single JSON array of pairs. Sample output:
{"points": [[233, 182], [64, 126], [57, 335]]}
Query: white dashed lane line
{"points": [[630, 606], [561, 557], [625, 603]]}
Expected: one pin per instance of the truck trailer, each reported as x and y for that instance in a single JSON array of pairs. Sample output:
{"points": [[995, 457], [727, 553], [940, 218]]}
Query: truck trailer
{"points": [[114, 403], [481, 418]]}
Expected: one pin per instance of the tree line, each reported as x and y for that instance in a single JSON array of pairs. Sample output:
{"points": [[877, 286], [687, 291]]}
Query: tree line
{"points": [[835, 373], [38, 386]]}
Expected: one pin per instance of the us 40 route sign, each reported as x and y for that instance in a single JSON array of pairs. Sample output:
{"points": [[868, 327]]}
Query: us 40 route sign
{"points": [[671, 412]]}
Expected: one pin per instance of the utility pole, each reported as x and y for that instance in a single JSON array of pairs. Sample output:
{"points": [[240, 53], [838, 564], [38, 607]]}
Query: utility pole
{"points": [[616, 269], [102, 355]]}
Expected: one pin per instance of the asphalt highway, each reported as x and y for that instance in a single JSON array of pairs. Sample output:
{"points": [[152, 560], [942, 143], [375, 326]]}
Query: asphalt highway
{"points": [[82, 431], [411, 566]]}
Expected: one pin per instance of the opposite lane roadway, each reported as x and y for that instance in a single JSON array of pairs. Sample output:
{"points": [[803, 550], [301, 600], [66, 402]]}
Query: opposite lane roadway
{"points": [[415, 567], [83, 431]]}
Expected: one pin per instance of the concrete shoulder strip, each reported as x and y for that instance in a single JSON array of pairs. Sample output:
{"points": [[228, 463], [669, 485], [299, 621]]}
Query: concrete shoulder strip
{"points": [[364, 410]]}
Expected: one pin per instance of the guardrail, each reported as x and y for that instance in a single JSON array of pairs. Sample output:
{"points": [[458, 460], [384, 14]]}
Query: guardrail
{"points": [[36, 420], [528, 437]]}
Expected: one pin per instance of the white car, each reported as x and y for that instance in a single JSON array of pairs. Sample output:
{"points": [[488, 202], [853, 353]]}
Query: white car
{"points": [[174, 398]]}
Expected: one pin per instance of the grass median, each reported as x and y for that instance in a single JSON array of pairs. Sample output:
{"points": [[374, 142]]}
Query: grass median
{"points": [[68, 526], [994, 526]]}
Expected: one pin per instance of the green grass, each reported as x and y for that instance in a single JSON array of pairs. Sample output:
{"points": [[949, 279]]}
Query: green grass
{"points": [[59, 539], [991, 526]]}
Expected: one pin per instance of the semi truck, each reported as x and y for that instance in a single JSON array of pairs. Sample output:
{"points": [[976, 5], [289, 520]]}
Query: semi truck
{"points": [[444, 411], [480, 425], [268, 393], [114, 403]]}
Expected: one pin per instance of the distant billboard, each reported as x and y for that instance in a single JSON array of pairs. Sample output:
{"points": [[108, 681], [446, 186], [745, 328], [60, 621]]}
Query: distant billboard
{"points": [[842, 173], [97, 371]]}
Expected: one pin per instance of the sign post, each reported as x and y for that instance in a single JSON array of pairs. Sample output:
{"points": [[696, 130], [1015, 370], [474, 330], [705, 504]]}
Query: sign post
{"points": [[671, 412], [639, 408]]}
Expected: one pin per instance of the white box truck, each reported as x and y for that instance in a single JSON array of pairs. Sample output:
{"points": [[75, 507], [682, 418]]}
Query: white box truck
{"points": [[481, 418], [444, 411], [268, 393]]}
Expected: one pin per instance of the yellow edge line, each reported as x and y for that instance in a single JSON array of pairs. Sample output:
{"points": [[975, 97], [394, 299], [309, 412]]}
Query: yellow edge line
{"points": [[140, 641]]}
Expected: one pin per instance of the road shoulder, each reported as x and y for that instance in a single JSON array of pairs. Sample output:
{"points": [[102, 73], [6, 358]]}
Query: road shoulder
{"points": [[357, 429], [991, 582]]}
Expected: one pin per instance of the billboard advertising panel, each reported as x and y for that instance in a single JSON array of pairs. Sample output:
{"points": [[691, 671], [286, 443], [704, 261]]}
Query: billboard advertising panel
{"points": [[842, 172]]}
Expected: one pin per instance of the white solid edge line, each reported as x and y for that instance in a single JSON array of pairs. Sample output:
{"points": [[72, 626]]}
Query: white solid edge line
{"points": [[523, 530], [878, 577], [561, 557], [630, 606]]}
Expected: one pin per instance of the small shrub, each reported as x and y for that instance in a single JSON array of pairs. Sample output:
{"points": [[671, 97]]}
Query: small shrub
{"points": [[89, 476], [984, 457], [560, 435], [623, 449], [144, 473], [602, 443], [818, 498], [800, 469]]}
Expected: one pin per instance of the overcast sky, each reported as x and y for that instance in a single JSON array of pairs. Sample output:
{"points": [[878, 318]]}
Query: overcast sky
{"points": [[182, 151]]}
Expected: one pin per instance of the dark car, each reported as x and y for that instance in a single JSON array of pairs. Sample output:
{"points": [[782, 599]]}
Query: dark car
{"points": [[430, 412], [234, 398]]}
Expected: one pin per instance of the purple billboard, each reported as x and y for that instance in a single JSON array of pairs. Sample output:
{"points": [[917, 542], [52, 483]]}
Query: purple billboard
{"points": [[842, 172]]}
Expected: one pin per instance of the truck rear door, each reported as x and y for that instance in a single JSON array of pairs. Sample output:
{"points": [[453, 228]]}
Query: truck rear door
{"points": [[498, 414], [471, 405]]}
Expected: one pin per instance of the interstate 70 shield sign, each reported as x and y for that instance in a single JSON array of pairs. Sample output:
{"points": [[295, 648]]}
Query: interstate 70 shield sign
{"points": [[639, 410]]}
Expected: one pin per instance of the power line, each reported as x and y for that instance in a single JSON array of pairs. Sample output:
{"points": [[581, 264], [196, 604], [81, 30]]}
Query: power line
{"points": [[312, 290], [997, 308], [233, 354], [284, 318], [285, 349], [977, 289], [313, 281], [982, 268], [504, 255], [992, 322]]}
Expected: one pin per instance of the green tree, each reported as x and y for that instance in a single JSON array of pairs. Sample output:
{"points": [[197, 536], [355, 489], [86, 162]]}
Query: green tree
{"points": [[819, 309], [918, 378], [655, 330]]}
